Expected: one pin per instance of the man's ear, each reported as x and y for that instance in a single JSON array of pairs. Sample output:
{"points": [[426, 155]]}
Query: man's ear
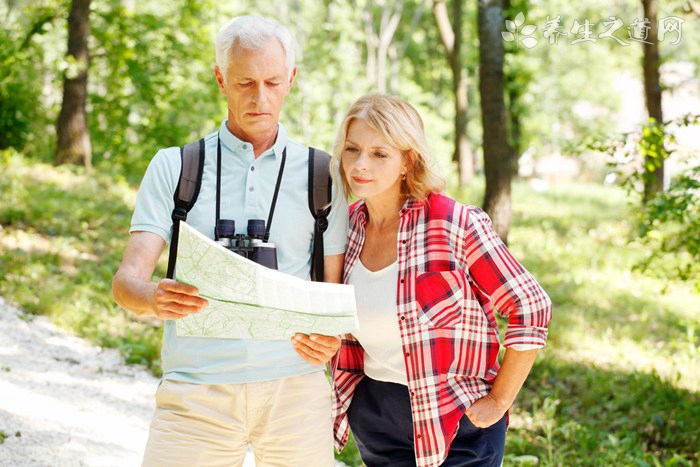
{"points": [[291, 77], [220, 79]]}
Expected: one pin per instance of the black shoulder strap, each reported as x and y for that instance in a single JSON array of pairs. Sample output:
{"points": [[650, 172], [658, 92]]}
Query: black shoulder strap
{"points": [[186, 193], [320, 191]]}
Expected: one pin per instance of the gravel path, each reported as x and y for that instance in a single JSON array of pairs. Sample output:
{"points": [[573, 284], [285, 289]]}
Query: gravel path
{"points": [[64, 402]]}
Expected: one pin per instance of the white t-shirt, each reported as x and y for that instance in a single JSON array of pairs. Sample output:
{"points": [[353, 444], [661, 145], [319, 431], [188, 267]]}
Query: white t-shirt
{"points": [[379, 334]]}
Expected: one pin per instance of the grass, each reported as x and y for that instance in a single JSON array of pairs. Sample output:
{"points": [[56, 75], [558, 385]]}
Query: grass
{"points": [[617, 384]]}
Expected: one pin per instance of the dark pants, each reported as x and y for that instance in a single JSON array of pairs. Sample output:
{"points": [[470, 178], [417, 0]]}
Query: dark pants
{"points": [[381, 422]]}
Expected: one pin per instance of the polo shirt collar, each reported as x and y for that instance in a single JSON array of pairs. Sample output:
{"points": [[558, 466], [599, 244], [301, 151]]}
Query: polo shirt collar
{"points": [[238, 146]]}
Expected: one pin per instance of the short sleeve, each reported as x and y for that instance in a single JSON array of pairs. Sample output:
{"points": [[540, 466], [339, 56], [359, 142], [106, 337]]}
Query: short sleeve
{"points": [[154, 201], [335, 239]]}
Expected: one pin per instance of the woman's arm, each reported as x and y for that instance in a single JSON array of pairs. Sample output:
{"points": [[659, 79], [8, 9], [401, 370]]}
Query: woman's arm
{"points": [[511, 377]]}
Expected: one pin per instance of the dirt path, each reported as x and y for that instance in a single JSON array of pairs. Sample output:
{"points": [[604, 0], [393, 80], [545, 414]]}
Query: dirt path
{"points": [[64, 402]]}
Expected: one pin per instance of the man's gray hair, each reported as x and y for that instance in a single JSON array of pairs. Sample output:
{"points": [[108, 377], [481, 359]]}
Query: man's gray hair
{"points": [[252, 33]]}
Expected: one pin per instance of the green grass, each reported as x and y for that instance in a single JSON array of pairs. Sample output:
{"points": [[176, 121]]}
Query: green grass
{"points": [[617, 384]]}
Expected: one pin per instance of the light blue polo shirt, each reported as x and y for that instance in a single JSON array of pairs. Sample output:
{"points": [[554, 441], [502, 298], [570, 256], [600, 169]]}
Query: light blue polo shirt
{"points": [[247, 187]]}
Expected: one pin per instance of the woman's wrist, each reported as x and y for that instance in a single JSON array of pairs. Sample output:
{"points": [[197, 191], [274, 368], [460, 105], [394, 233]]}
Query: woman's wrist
{"points": [[498, 402]]}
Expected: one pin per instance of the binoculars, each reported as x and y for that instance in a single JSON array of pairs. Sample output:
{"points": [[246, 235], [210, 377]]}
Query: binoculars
{"points": [[252, 246]]}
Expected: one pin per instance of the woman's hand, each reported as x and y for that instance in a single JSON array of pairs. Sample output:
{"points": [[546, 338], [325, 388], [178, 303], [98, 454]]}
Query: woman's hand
{"points": [[315, 348], [486, 411]]}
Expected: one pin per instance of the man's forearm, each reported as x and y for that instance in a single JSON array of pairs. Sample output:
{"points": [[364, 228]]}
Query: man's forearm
{"points": [[134, 294]]}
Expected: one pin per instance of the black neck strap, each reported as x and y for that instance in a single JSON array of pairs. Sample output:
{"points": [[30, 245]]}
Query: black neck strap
{"points": [[218, 191]]}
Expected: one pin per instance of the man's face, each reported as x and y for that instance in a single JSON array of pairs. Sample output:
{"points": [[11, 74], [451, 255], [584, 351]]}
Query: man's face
{"points": [[257, 81]]}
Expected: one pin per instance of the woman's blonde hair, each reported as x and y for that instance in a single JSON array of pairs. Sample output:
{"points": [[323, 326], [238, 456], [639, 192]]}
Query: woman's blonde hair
{"points": [[399, 123]]}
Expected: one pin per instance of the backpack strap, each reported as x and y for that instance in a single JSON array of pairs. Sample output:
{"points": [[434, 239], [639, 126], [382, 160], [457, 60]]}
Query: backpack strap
{"points": [[320, 186], [186, 193]]}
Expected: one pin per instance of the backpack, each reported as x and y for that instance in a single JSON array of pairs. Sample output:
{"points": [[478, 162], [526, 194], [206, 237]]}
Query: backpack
{"points": [[187, 191]]}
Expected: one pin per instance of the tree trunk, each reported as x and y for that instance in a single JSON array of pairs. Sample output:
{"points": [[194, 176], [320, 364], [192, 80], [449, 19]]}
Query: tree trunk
{"points": [[451, 37], [497, 164], [513, 103], [654, 182], [378, 42], [73, 145]]}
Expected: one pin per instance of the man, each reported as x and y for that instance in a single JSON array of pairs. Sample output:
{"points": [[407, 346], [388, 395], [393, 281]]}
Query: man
{"points": [[219, 395]]}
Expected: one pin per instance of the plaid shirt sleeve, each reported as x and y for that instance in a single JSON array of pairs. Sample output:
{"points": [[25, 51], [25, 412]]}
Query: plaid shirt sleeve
{"points": [[495, 273]]}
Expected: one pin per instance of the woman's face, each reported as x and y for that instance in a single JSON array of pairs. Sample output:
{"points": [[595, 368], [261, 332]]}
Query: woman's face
{"points": [[372, 167]]}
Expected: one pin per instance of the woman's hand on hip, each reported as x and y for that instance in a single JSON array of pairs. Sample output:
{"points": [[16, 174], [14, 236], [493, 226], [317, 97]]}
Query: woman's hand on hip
{"points": [[486, 411]]}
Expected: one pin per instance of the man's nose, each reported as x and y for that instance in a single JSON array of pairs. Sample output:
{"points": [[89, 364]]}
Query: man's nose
{"points": [[260, 93]]}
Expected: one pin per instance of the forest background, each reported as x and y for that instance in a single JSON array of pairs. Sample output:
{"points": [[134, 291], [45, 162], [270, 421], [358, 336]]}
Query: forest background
{"points": [[575, 125]]}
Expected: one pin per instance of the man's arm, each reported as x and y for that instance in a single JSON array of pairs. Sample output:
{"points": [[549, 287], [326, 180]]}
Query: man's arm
{"points": [[133, 290], [316, 348]]}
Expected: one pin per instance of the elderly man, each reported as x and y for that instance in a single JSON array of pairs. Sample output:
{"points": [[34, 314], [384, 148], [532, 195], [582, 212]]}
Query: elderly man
{"points": [[219, 395]]}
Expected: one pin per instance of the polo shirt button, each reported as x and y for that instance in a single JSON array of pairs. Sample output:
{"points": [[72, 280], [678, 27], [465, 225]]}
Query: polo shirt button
{"points": [[245, 146], [251, 189], [252, 169]]}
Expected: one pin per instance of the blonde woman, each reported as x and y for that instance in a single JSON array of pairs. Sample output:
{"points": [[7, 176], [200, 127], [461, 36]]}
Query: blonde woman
{"points": [[420, 383]]}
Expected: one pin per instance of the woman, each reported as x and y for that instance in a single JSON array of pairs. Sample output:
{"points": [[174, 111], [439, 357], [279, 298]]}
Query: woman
{"points": [[420, 383]]}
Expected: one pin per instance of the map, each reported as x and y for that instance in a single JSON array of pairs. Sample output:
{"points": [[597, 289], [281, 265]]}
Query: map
{"points": [[249, 301]]}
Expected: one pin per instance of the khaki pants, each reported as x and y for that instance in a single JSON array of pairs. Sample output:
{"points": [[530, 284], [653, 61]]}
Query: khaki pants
{"points": [[287, 422]]}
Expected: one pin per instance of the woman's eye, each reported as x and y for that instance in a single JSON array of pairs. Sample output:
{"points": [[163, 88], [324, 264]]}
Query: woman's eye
{"points": [[379, 155], [350, 149]]}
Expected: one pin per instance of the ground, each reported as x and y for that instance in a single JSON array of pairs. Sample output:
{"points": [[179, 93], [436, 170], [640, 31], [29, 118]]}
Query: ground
{"points": [[65, 402]]}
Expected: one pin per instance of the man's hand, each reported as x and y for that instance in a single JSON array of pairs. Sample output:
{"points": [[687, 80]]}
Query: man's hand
{"points": [[315, 348], [175, 300]]}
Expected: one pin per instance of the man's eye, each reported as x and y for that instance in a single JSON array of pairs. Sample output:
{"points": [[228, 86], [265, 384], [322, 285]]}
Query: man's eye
{"points": [[273, 84]]}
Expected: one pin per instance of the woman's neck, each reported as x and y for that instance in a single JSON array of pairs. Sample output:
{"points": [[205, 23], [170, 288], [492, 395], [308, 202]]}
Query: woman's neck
{"points": [[384, 212]]}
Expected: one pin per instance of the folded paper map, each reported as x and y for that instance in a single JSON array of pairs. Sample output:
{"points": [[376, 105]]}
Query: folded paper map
{"points": [[249, 301]]}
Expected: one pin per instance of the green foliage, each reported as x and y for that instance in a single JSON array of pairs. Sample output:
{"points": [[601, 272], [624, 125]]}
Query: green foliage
{"points": [[22, 120], [151, 79], [668, 223], [670, 228]]}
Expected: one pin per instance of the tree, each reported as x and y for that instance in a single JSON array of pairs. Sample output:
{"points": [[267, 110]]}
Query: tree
{"points": [[73, 144], [451, 37], [498, 164], [379, 41], [654, 179]]}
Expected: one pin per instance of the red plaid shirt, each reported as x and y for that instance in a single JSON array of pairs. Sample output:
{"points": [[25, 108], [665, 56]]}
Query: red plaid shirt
{"points": [[453, 270]]}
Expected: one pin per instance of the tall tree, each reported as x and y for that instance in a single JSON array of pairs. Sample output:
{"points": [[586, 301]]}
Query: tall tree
{"points": [[498, 166], [73, 145], [654, 166], [451, 37], [378, 41]]}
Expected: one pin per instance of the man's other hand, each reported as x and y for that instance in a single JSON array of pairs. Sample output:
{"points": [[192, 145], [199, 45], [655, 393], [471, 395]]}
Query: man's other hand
{"points": [[315, 348]]}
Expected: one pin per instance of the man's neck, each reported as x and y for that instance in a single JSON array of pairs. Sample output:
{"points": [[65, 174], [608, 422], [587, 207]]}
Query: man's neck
{"points": [[260, 142]]}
